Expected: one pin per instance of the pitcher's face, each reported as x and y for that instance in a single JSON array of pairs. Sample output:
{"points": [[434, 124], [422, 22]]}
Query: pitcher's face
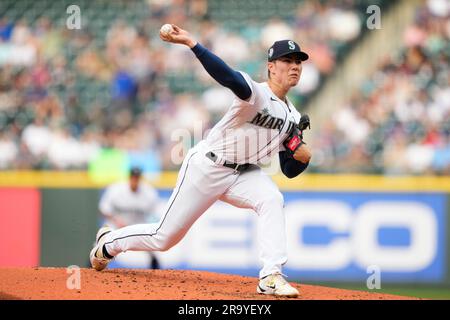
{"points": [[286, 70]]}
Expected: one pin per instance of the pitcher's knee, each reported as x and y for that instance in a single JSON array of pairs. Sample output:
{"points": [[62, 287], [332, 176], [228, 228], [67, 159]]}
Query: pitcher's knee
{"points": [[166, 243], [165, 246], [279, 198], [272, 200]]}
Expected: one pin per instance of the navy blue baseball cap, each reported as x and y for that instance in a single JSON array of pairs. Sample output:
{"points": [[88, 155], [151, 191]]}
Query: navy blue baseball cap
{"points": [[285, 47], [135, 172]]}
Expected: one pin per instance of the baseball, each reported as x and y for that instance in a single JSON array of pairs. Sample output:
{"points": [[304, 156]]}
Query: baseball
{"points": [[166, 29]]}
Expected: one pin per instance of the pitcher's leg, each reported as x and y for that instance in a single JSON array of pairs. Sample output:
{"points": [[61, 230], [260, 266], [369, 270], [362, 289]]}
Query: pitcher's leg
{"points": [[165, 234], [194, 194], [268, 203], [272, 234]]}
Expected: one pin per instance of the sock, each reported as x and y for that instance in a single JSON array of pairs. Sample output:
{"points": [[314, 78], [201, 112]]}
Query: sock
{"points": [[106, 254]]}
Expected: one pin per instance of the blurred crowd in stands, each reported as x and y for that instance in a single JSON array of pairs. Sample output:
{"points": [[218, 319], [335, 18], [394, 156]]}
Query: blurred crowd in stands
{"points": [[399, 119], [67, 94]]}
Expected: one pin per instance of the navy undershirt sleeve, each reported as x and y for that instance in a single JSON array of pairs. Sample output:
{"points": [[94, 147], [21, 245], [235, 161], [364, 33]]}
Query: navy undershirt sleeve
{"points": [[291, 167], [222, 73]]}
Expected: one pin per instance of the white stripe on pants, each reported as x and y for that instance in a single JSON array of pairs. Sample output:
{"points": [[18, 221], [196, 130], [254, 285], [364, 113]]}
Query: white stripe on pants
{"points": [[201, 183]]}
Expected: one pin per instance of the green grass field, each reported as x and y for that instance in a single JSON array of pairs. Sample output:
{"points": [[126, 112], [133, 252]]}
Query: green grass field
{"points": [[435, 293]]}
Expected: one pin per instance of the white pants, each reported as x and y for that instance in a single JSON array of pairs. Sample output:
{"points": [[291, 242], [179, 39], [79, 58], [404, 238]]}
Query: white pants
{"points": [[201, 182]]}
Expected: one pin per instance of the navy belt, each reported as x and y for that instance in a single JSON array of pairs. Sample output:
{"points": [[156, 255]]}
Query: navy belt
{"points": [[235, 166]]}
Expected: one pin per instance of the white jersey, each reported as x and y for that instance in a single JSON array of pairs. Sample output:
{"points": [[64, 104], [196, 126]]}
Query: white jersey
{"points": [[253, 131], [250, 132], [132, 207]]}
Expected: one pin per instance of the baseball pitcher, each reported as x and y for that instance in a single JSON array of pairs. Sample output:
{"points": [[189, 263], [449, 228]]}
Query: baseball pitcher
{"points": [[260, 123]]}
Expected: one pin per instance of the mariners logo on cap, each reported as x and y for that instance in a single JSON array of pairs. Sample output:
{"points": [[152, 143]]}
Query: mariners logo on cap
{"points": [[291, 44]]}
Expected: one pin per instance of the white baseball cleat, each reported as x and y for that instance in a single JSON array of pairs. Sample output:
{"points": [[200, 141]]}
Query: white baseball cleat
{"points": [[276, 285], [98, 260]]}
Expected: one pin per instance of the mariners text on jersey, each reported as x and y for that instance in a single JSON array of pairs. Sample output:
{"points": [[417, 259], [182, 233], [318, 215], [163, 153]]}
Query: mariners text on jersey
{"points": [[266, 120]]}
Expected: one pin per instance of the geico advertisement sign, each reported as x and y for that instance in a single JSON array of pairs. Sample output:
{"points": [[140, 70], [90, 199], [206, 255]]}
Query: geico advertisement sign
{"points": [[359, 235], [330, 238]]}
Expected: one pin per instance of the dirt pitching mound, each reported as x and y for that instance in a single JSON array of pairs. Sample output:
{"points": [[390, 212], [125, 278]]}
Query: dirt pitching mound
{"points": [[57, 284]]}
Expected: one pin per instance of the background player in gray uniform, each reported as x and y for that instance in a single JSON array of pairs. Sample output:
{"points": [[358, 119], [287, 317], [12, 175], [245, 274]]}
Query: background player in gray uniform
{"points": [[260, 123], [130, 202]]}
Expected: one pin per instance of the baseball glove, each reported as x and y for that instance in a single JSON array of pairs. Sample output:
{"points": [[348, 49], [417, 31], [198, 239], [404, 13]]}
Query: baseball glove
{"points": [[295, 139]]}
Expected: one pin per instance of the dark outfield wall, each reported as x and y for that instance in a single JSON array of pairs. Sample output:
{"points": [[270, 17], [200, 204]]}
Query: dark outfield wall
{"points": [[68, 227]]}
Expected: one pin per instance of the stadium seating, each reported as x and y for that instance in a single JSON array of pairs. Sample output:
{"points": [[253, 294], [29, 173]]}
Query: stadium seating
{"points": [[115, 75]]}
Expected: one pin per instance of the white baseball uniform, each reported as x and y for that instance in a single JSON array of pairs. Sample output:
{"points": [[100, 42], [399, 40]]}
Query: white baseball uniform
{"points": [[250, 132], [119, 200], [132, 207]]}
